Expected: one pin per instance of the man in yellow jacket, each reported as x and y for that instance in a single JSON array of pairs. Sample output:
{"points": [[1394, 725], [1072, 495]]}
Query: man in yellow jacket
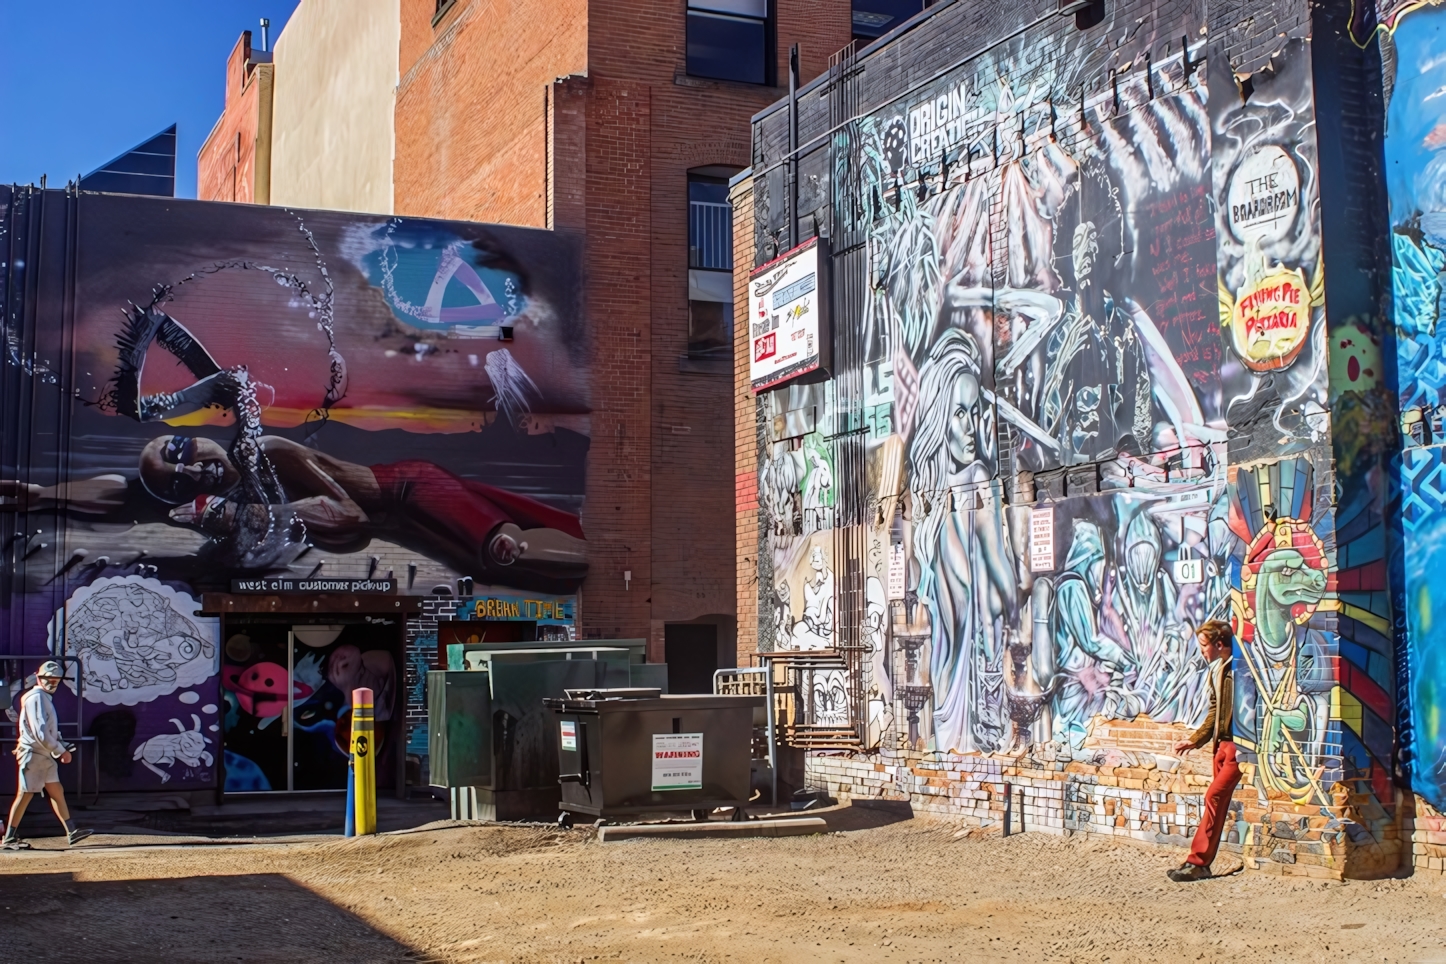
{"points": [[1216, 640]]}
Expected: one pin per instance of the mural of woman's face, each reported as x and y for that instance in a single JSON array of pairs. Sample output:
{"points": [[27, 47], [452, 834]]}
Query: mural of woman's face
{"points": [[178, 468], [964, 420]]}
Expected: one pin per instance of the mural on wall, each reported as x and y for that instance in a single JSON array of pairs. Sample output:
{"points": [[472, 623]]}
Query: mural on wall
{"points": [[1041, 311], [260, 392], [1268, 242], [1081, 308], [1416, 181], [1312, 621]]}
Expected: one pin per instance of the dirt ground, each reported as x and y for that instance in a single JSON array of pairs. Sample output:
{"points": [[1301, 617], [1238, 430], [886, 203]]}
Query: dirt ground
{"points": [[908, 890]]}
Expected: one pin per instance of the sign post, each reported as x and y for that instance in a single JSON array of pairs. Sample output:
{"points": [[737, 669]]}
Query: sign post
{"points": [[363, 747]]}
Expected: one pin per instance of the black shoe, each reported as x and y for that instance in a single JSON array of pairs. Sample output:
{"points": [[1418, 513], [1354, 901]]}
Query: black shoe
{"points": [[13, 842], [1187, 872], [77, 835]]}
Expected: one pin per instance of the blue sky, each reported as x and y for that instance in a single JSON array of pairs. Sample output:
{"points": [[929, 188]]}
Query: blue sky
{"points": [[89, 79]]}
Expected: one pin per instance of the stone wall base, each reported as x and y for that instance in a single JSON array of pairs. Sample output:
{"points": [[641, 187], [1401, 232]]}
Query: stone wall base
{"points": [[1140, 794], [1425, 828]]}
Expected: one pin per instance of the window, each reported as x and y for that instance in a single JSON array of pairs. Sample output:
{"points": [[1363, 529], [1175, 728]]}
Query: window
{"points": [[710, 266], [874, 18], [729, 40]]}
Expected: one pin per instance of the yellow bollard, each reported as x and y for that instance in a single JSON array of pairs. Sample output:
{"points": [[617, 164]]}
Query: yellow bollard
{"points": [[363, 747]]}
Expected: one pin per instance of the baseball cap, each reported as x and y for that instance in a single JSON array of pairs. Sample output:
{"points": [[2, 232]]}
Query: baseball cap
{"points": [[50, 668]]}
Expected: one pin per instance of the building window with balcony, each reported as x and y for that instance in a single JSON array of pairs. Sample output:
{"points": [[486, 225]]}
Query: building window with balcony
{"points": [[710, 266], [730, 40]]}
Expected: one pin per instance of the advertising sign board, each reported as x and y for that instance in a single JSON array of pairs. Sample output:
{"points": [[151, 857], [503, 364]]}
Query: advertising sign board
{"points": [[788, 316]]}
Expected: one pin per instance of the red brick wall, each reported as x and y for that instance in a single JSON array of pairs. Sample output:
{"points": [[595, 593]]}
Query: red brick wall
{"points": [[745, 436], [226, 163], [486, 131], [471, 108]]}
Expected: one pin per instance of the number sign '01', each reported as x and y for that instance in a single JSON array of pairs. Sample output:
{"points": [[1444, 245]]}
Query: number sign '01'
{"points": [[788, 323]]}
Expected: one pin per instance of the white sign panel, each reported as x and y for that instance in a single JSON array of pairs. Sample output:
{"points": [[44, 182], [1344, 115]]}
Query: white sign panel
{"points": [[1041, 540], [1264, 195], [677, 761], [1189, 572], [897, 571], [569, 735], [788, 316]]}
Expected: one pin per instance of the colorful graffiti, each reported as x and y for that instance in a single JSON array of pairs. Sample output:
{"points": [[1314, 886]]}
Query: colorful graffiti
{"points": [[1416, 181], [1039, 314], [1268, 244], [244, 392], [1098, 386]]}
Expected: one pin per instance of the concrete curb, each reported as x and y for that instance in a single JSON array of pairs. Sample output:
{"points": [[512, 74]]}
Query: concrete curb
{"points": [[789, 827]]}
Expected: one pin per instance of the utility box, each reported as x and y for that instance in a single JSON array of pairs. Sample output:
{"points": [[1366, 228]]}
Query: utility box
{"points": [[627, 756], [492, 742], [459, 712]]}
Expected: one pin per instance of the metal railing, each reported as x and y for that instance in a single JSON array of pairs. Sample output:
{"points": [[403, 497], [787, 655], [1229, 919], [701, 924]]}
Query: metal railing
{"points": [[755, 681], [710, 235]]}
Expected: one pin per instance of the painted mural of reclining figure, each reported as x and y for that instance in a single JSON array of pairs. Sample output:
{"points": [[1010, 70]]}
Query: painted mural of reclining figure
{"points": [[344, 505], [264, 498], [1108, 384]]}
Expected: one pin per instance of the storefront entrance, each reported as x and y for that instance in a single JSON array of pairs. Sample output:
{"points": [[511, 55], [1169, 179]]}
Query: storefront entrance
{"points": [[287, 687]]}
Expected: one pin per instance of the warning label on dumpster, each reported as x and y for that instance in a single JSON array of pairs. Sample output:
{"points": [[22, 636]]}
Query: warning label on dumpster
{"points": [[677, 761], [569, 735]]}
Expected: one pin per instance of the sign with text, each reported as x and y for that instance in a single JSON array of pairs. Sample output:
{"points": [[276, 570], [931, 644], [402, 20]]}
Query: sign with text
{"points": [[363, 586], [788, 316], [1041, 539], [1189, 572], [507, 606], [677, 761], [569, 734]]}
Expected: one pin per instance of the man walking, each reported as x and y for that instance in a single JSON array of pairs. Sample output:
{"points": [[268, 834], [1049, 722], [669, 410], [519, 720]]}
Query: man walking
{"points": [[38, 750], [1215, 638]]}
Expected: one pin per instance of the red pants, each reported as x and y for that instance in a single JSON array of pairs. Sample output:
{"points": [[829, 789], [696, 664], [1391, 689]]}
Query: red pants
{"points": [[459, 510], [1217, 806]]}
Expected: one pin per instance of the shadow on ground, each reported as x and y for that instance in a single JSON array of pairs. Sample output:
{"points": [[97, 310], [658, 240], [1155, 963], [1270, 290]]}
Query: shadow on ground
{"points": [[257, 918], [237, 816], [865, 814]]}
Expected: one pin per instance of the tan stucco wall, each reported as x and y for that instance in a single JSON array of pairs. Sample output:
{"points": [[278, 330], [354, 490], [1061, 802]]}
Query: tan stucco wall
{"points": [[333, 132]]}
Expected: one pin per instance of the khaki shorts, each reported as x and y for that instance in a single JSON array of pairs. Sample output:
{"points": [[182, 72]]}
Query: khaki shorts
{"points": [[42, 770]]}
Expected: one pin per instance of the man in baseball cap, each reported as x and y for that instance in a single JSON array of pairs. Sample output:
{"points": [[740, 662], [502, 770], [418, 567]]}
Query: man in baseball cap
{"points": [[38, 750]]}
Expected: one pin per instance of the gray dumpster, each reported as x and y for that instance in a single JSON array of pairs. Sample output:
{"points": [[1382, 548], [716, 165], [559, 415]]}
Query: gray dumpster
{"points": [[492, 742], [624, 756]]}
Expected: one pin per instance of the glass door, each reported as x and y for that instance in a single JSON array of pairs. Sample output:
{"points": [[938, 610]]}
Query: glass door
{"points": [[288, 701]]}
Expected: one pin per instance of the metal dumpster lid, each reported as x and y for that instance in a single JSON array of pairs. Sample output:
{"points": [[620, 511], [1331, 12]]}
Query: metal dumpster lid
{"points": [[614, 693]]}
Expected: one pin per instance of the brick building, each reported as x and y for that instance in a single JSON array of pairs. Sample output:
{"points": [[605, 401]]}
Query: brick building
{"points": [[617, 122], [234, 163], [1114, 351], [614, 120]]}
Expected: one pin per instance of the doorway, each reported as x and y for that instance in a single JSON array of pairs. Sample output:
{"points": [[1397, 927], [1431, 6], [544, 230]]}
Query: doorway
{"points": [[288, 688], [691, 652]]}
